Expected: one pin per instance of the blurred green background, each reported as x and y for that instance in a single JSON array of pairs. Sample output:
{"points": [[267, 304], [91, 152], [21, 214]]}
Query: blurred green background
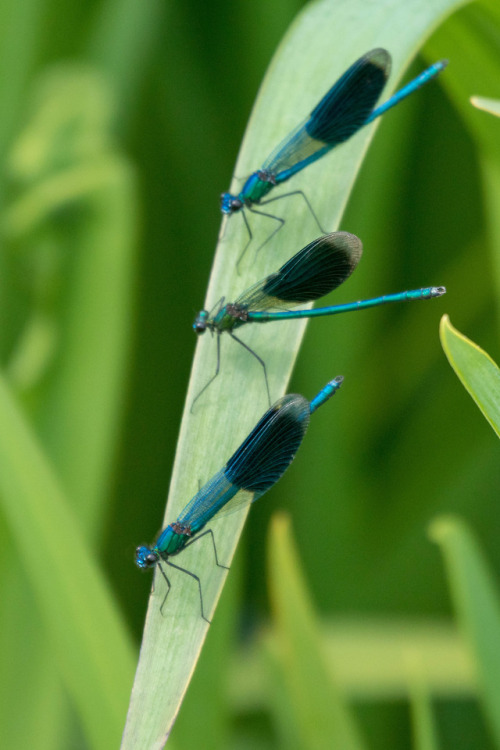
{"points": [[120, 126]]}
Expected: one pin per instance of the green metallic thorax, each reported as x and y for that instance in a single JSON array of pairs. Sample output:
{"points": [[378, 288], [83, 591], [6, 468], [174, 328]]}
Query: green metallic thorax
{"points": [[172, 540], [231, 316], [256, 187]]}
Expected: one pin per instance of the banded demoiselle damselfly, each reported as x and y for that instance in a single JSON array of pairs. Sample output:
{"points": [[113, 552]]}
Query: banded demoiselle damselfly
{"points": [[254, 467], [347, 107], [314, 271]]}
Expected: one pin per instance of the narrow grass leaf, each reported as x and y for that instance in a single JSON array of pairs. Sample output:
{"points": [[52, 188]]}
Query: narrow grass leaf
{"points": [[321, 715], [303, 69], [121, 42], [476, 370], [490, 172], [17, 21], [83, 626], [470, 40], [367, 658], [487, 105], [78, 188], [28, 667], [475, 595], [423, 719]]}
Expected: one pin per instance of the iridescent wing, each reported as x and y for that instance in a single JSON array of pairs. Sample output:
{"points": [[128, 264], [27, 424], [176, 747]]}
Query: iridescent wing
{"points": [[340, 114], [259, 462], [270, 448], [316, 270], [210, 500]]}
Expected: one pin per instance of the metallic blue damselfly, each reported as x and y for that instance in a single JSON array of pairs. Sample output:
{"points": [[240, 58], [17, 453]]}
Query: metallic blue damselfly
{"points": [[314, 271], [347, 107], [254, 467]]}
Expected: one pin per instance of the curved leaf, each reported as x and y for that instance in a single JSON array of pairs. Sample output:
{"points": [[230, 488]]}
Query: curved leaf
{"points": [[304, 67], [487, 105], [478, 373], [476, 599]]}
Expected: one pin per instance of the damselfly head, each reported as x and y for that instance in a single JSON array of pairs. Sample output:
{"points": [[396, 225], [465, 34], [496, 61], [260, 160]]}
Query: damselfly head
{"points": [[200, 322], [145, 557], [230, 203]]}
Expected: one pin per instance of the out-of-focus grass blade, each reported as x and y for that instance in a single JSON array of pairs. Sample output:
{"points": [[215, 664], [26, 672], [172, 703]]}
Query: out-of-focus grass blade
{"points": [[487, 105], [78, 189], [28, 667], [474, 63], [205, 719], [321, 715], [367, 658], [490, 170], [475, 596], [91, 648], [479, 374], [424, 728], [123, 39], [74, 202], [303, 69], [467, 41], [17, 21]]}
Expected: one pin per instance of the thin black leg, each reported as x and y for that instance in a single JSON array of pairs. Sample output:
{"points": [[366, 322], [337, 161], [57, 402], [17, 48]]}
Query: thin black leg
{"points": [[217, 370], [197, 538], [169, 586], [269, 216], [250, 238], [296, 192], [188, 573], [261, 361], [276, 218]]}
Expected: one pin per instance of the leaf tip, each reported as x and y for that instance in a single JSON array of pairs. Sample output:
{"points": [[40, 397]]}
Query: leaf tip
{"points": [[443, 527]]}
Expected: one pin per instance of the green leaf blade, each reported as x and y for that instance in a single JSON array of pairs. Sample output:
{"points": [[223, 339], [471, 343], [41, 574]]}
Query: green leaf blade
{"points": [[476, 600], [476, 370], [322, 717], [90, 644], [302, 70], [487, 105]]}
